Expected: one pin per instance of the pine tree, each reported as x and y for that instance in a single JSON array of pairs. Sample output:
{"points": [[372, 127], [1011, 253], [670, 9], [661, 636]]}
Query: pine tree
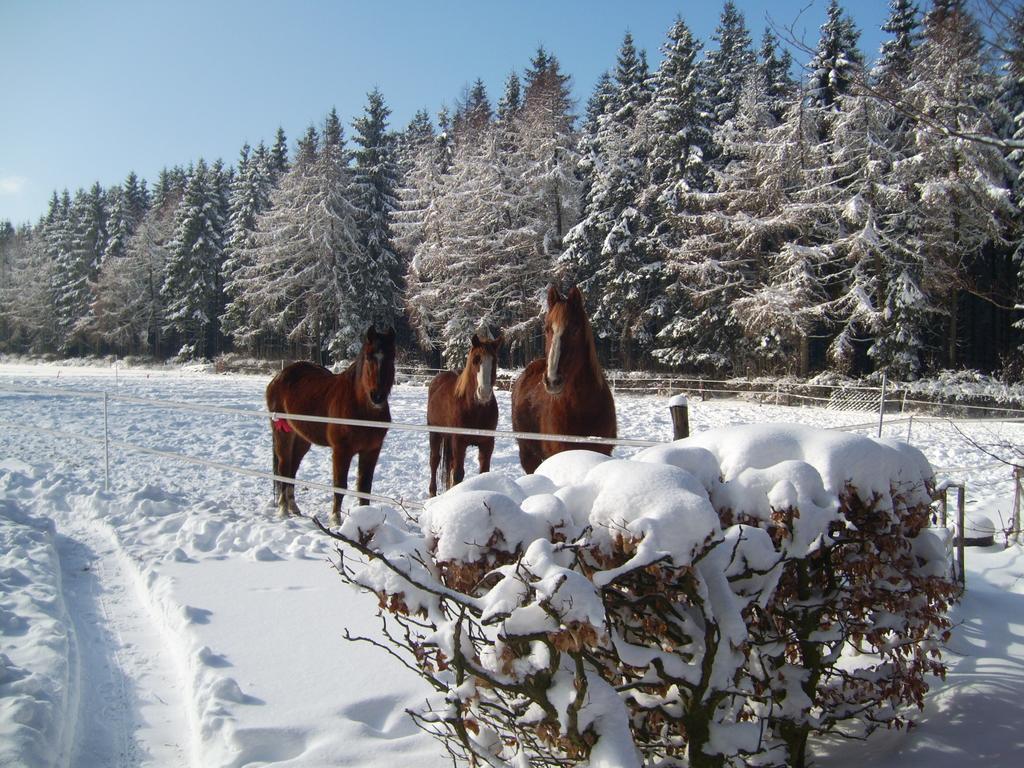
{"points": [[1012, 96], [726, 238], [961, 206], [893, 66], [602, 252], [511, 100], [473, 111], [278, 164], [546, 149], [728, 66], [79, 242], [415, 166], [837, 63], [250, 196], [27, 309], [293, 279], [376, 275], [190, 285], [128, 204], [776, 66]]}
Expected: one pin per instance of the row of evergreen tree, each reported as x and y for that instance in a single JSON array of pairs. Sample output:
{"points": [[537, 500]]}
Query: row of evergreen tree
{"points": [[719, 214]]}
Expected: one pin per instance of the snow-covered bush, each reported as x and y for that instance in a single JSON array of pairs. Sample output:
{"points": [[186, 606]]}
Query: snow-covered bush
{"points": [[709, 602]]}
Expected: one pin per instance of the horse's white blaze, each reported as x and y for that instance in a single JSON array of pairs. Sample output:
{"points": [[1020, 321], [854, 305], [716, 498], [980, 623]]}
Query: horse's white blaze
{"points": [[555, 352], [483, 380]]}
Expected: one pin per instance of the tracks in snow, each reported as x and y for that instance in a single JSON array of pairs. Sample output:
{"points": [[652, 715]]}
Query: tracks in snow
{"points": [[131, 709]]}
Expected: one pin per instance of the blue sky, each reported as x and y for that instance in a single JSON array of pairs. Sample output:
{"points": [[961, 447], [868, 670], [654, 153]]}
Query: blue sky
{"points": [[92, 90]]}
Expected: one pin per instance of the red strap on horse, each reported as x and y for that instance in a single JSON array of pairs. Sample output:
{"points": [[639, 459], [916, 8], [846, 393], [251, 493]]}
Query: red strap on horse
{"points": [[281, 425]]}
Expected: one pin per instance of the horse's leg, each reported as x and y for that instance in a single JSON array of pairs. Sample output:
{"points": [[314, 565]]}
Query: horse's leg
{"points": [[458, 471], [484, 451], [364, 478], [342, 459], [298, 447], [435, 459], [275, 459], [530, 455]]}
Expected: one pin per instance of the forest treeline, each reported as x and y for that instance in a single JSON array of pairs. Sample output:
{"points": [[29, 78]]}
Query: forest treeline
{"points": [[720, 214]]}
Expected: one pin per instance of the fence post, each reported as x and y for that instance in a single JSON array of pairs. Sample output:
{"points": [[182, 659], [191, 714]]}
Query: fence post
{"points": [[960, 492], [679, 409], [910, 427], [106, 446], [1018, 477], [881, 405]]}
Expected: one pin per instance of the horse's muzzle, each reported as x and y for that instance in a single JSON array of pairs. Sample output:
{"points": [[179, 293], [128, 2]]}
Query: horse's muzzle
{"points": [[554, 386]]}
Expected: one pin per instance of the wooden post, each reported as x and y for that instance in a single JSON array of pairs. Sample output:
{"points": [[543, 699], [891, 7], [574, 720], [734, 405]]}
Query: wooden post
{"points": [[960, 540], [679, 409], [1018, 476], [881, 406]]}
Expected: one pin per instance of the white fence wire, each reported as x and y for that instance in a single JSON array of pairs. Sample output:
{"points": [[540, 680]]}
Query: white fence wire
{"points": [[107, 443]]}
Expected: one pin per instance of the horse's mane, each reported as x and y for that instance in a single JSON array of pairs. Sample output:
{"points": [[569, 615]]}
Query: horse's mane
{"points": [[595, 364], [464, 383]]}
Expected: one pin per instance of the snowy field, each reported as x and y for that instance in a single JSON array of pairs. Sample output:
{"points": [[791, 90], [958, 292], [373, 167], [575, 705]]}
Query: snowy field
{"points": [[175, 621]]}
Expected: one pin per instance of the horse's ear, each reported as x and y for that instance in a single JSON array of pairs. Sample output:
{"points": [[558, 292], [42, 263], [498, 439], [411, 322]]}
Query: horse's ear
{"points": [[371, 334], [499, 341], [390, 334], [575, 298], [553, 295], [475, 340]]}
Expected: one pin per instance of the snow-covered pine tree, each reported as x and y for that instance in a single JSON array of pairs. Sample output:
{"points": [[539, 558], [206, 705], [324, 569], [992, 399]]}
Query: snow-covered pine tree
{"points": [[776, 67], [27, 310], [375, 271], [80, 242], [511, 100], [892, 69], [673, 137], [601, 253], [837, 62], [727, 66], [725, 235], [129, 307], [190, 284], [250, 196], [277, 164], [293, 281], [1012, 97], [128, 204], [959, 173], [415, 163], [473, 111], [546, 149]]}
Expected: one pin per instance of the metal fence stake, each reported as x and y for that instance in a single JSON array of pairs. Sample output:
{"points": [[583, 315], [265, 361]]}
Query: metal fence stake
{"points": [[881, 405], [106, 445]]}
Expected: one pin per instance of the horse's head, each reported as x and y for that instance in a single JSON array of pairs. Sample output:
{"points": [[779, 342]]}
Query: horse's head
{"points": [[378, 365], [566, 332], [482, 366]]}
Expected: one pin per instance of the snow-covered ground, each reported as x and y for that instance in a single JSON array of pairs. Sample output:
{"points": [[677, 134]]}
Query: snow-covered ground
{"points": [[175, 620]]}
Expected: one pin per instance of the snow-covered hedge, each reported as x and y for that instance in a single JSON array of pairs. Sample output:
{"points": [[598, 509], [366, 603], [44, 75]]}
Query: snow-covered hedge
{"points": [[713, 601]]}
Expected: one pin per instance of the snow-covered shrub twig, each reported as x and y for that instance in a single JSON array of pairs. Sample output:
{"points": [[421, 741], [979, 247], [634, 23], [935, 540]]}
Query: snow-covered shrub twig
{"points": [[711, 602]]}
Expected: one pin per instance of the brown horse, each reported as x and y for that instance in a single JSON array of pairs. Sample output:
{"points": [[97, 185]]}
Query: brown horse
{"points": [[463, 399], [359, 392], [565, 392]]}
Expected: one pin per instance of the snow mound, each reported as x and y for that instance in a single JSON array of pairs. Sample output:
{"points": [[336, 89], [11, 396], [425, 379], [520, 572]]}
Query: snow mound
{"points": [[35, 639]]}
